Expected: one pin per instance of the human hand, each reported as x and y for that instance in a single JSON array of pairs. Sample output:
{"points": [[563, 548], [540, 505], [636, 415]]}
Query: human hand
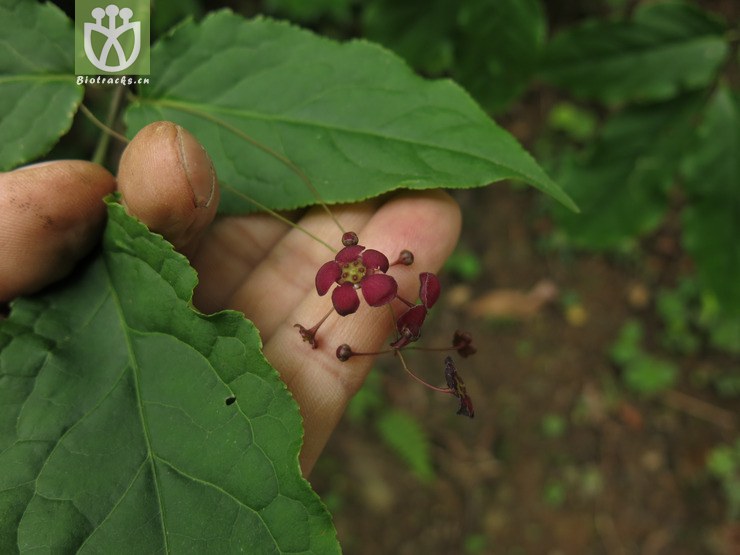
{"points": [[53, 215]]}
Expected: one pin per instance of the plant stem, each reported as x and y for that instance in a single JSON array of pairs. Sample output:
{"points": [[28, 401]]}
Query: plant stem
{"points": [[108, 132], [418, 379]]}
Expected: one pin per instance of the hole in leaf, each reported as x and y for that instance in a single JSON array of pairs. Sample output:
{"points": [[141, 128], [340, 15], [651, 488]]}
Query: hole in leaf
{"points": [[230, 400]]}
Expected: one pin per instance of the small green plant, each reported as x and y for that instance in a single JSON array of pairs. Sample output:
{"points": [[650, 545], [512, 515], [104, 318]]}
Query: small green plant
{"points": [[575, 122], [641, 372], [553, 426], [677, 309], [724, 464], [554, 493], [402, 433], [464, 264]]}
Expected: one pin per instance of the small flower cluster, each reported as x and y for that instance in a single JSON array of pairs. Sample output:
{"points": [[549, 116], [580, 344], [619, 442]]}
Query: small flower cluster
{"points": [[356, 268]]}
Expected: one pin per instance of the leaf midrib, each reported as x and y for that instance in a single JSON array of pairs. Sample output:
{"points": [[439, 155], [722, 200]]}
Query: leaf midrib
{"points": [[151, 456], [139, 403]]}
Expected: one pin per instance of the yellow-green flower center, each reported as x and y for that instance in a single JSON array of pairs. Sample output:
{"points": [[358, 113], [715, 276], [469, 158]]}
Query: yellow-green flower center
{"points": [[353, 272]]}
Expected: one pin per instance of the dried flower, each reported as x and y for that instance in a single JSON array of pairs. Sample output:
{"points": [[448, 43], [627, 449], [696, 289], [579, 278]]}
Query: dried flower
{"points": [[462, 341], [457, 388]]}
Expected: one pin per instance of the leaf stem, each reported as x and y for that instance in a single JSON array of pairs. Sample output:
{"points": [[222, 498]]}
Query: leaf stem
{"points": [[108, 132], [277, 216], [264, 148]]}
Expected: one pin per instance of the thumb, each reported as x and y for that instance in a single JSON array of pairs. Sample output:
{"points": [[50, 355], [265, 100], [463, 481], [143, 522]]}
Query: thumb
{"points": [[167, 180]]}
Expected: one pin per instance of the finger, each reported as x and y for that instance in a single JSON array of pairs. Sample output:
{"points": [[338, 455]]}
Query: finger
{"points": [[52, 216], [428, 224], [167, 180], [286, 275], [231, 248]]}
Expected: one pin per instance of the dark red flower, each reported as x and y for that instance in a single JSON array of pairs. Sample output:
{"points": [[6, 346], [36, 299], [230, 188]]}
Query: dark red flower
{"points": [[409, 326], [429, 289], [355, 267]]}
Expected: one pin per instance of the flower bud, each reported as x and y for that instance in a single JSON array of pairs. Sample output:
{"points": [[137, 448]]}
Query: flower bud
{"points": [[344, 352], [405, 257], [350, 238]]}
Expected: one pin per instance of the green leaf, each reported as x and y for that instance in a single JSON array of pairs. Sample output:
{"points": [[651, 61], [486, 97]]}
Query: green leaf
{"points": [[300, 10], [352, 116], [667, 48], [577, 123], [620, 183], [38, 93], [491, 48], [420, 31], [404, 435], [115, 433], [627, 346], [712, 217], [499, 48], [649, 375]]}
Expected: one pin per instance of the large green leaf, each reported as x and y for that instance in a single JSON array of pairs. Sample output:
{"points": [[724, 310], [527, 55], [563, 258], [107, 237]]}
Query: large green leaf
{"points": [[420, 31], [38, 93], [491, 48], [498, 48], [668, 47], [712, 216], [115, 431], [620, 183], [352, 116]]}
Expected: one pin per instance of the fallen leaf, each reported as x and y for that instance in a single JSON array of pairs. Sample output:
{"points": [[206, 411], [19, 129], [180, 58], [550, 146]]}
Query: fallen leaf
{"points": [[514, 304]]}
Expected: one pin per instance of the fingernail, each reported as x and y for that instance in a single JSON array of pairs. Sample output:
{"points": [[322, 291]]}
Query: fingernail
{"points": [[198, 168]]}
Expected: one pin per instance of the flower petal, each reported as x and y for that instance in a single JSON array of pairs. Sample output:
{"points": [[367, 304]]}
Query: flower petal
{"points": [[379, 289], [345, 299], [410, 322], [429, 289], [375, 260], [349, 254], [329, 273]]}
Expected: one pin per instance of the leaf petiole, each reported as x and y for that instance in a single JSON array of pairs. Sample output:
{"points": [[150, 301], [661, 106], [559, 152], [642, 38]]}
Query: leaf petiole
{"points": [[277, 216], [108, 131]]}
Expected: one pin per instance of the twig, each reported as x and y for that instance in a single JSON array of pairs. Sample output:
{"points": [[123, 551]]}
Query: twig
{"points": [[700, 409]]}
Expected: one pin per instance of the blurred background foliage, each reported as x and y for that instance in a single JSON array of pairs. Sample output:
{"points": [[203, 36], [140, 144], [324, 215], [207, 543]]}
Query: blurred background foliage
{"points": [[607, 384]]}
